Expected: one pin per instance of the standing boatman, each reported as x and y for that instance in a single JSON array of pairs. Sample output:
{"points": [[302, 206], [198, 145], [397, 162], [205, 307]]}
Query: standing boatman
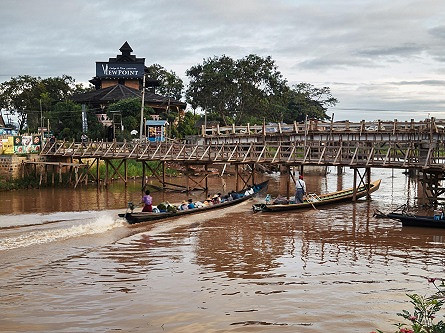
{"points": [[300, 189]]}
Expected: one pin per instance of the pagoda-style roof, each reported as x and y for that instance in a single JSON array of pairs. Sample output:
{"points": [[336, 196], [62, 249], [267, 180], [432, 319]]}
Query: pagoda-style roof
{"points": [[118, 92], [126, 55]]}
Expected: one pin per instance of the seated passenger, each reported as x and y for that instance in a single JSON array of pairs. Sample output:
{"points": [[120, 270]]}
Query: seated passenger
{"points": [[216, 199], [235, 195], [183, 206], [191, 205]]}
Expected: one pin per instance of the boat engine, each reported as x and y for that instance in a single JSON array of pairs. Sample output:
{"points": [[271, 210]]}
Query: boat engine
{"points": [[131, 206]]}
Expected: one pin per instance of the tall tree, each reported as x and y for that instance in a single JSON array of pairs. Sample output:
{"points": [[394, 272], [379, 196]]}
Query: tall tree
{"points": [[30, 98], [235, 91], [305, 100], [170, 85], [213, 87], [129, 112]]}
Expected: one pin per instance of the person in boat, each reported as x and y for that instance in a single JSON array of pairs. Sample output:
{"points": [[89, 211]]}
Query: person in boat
{"points": [[148, 201], [191, 205], [235, 195], [184, 205], [300, 190], [216, 199], [280, 200], [249, 191]]}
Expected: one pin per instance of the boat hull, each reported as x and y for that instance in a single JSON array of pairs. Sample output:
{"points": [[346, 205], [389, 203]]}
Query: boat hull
{"points": [[325, 199], [139, 217], [417, 220]]}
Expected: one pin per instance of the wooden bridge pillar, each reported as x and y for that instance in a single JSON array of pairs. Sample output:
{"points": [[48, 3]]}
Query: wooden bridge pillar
{"points": [[364, 180], [431, 186]]}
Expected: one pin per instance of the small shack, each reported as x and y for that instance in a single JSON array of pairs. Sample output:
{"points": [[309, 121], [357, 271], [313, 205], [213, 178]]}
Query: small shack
{"points": [[156, 130]]}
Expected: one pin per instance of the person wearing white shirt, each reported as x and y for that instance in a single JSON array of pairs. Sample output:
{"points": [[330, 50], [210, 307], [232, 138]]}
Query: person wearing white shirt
{"points": [[300, 189]]}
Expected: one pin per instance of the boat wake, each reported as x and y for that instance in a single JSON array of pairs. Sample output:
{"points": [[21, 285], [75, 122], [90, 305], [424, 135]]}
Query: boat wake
{"points": [[97, 225]]}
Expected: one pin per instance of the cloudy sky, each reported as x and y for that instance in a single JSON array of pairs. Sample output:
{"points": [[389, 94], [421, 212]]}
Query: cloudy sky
{"points": [[381, 59]]}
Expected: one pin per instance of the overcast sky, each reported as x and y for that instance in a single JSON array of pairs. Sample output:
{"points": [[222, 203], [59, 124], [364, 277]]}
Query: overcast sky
{"points": [[381, 59]]}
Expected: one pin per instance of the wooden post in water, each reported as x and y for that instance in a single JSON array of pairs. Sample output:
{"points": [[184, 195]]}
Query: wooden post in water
{"points": [[288, 182], [125, 171], [97, 172], [237, 176], [368, 182], [163, 175], [206, 177], [106, 172], [143, 176], [253, 173], [354, 187]]}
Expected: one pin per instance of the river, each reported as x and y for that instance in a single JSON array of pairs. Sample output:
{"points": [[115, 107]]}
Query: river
{"points": [[69, 264]]}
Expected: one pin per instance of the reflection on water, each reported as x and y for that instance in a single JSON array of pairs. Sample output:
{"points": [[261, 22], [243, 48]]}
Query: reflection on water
{"points": [[336, 269]]}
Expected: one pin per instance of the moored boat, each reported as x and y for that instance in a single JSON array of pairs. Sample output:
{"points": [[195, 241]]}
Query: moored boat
{"points": [[410, 220], [312, 200], [137, 217]]}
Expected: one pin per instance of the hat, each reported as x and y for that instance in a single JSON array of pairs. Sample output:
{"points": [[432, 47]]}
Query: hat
{"points": [[301, 177], [215, 196], [184, 202]]}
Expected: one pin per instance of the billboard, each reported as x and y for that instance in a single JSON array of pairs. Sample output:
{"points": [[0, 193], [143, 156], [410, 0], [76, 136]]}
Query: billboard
{"points": [[27, 144], [119, 70]]}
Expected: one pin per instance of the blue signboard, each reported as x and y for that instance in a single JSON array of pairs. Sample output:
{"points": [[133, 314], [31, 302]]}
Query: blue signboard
{"points": [[119, 70]]}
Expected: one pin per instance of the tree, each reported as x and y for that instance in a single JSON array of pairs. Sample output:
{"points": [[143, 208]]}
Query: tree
{"points": [[252, 89], [130, 111], [66, 122], [30, 98], [305, 100], [235, 91], [186, 125], [213, 87], [170, 85]]}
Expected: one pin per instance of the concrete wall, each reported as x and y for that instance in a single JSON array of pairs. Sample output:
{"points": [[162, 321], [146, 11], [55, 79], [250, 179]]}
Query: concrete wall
{"points": [[10, 166]]}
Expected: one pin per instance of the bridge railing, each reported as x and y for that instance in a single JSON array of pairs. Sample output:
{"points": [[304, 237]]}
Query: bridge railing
{"points": [[372, 154], [430, 124]]}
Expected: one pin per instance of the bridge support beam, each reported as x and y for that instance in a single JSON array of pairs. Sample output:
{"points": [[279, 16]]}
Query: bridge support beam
{"points": [[363, 180], [431, 186]]}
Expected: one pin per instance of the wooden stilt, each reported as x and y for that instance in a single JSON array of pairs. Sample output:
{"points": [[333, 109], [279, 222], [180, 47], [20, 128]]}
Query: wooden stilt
{"points": [[125, 172], [163, 174], [143, 176], [106, 172], [368, 181], [253, 173], [354, 193], [98, 171], [237, 177], [206, 167], [288, 182], [187, 183]]}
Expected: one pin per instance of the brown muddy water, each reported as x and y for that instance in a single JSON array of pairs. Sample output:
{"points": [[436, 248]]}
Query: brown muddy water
{"points": [[69, 264]]}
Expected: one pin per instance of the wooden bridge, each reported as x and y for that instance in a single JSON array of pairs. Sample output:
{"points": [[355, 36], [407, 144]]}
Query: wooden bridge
{"points": [[402, 145]]}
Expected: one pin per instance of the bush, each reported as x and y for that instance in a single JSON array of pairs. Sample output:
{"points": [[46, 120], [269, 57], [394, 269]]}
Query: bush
{"points": [[421, 320]]}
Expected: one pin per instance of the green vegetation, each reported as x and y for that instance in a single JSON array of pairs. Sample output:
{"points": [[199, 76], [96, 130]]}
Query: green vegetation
{"points": [[250, 90], [134, 169], [15, 184], [423, 317], [230, 91]]}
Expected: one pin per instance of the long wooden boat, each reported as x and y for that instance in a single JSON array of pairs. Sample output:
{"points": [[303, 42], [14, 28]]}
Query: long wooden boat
{"points": [[409, 220], [133, 217], [323, 199]]}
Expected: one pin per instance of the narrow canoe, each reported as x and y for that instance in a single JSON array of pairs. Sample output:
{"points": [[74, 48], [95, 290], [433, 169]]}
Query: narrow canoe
{"points": [[151, 216], [323, 199], [409, 220]]}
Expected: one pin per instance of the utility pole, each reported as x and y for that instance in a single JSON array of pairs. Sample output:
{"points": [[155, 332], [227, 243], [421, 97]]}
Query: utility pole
{"points": [[142, 109]]}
